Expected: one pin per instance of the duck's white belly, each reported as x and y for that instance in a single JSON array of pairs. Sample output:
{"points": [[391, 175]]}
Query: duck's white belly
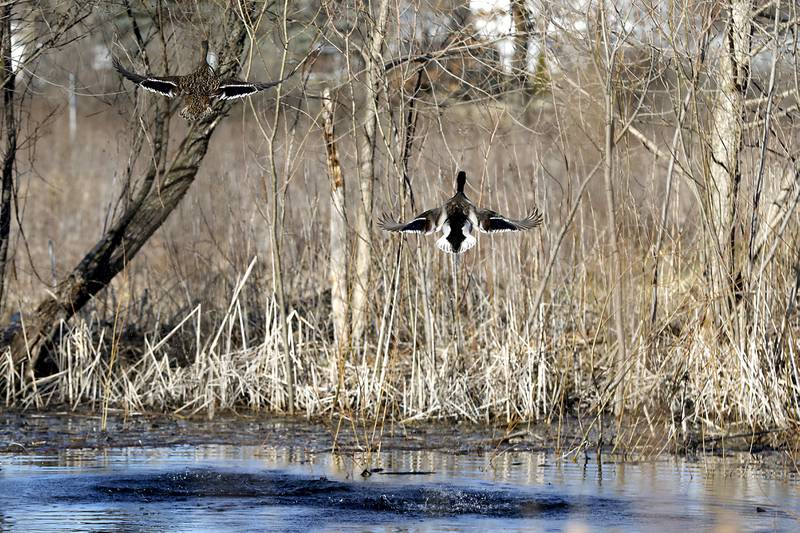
{"points": [[469, 239]]}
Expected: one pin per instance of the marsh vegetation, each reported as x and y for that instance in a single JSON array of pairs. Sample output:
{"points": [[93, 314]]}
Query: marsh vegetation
{"points": [[234, 262]]}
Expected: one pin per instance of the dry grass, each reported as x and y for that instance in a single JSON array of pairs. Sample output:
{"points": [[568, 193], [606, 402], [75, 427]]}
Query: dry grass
{"points": [[191, 326], [519, 362]]}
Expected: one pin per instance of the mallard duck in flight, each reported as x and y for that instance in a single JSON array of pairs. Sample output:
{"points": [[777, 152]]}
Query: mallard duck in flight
{"points": [[457, 217], [199, 89]]}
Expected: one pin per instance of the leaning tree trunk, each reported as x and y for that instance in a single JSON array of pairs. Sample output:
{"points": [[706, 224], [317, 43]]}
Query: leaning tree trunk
{"points": [[160, 193], [366, 152], [7, 79], [726, 145]]}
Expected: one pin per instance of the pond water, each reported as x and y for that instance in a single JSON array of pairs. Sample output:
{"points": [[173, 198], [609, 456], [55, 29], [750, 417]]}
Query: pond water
{"points": [[289, 486]]}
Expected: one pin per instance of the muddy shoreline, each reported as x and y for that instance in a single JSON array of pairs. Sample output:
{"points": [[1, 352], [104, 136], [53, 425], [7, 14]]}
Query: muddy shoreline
{"points": [[27, 432], [50, 431]]}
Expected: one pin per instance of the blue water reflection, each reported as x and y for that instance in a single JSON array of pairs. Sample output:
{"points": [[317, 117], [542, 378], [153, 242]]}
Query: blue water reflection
{"points": [[274, 488]]}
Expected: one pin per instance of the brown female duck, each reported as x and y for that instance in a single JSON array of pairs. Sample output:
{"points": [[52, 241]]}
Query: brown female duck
{"points": [[199, 89]]}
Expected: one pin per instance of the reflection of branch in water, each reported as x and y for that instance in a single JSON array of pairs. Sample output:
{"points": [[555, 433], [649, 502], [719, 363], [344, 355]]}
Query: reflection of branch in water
{"points": [[369, 471]]}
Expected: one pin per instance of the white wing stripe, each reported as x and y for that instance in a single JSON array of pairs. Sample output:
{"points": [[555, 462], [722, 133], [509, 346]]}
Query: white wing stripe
{"points": [[234, 97], [162, 93]]}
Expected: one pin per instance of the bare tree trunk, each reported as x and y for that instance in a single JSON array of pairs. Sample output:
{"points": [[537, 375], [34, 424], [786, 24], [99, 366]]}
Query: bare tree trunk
{"points": [[366, 152], [7, 78], [338, 227], [726, 144], [523, 31], [277, 210], [616, 282], [143, 216]]}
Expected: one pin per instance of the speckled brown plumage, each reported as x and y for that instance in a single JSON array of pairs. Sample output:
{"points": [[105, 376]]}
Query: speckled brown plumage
{"points": [[199, 89]]}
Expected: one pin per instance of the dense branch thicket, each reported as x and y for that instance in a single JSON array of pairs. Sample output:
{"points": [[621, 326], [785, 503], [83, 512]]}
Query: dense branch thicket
{"points": [[664, 290]]}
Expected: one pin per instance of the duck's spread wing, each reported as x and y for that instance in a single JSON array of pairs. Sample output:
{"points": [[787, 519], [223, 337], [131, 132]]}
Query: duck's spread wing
{"points": [[232, 89], [422, 223], [492, 222], [163, 85]]}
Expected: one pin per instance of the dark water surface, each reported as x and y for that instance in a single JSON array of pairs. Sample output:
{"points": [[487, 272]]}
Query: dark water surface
{"points": [[286, 486]]}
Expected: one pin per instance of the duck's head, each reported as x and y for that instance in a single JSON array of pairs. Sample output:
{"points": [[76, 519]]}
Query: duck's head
{"points": [[461, 180]]}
